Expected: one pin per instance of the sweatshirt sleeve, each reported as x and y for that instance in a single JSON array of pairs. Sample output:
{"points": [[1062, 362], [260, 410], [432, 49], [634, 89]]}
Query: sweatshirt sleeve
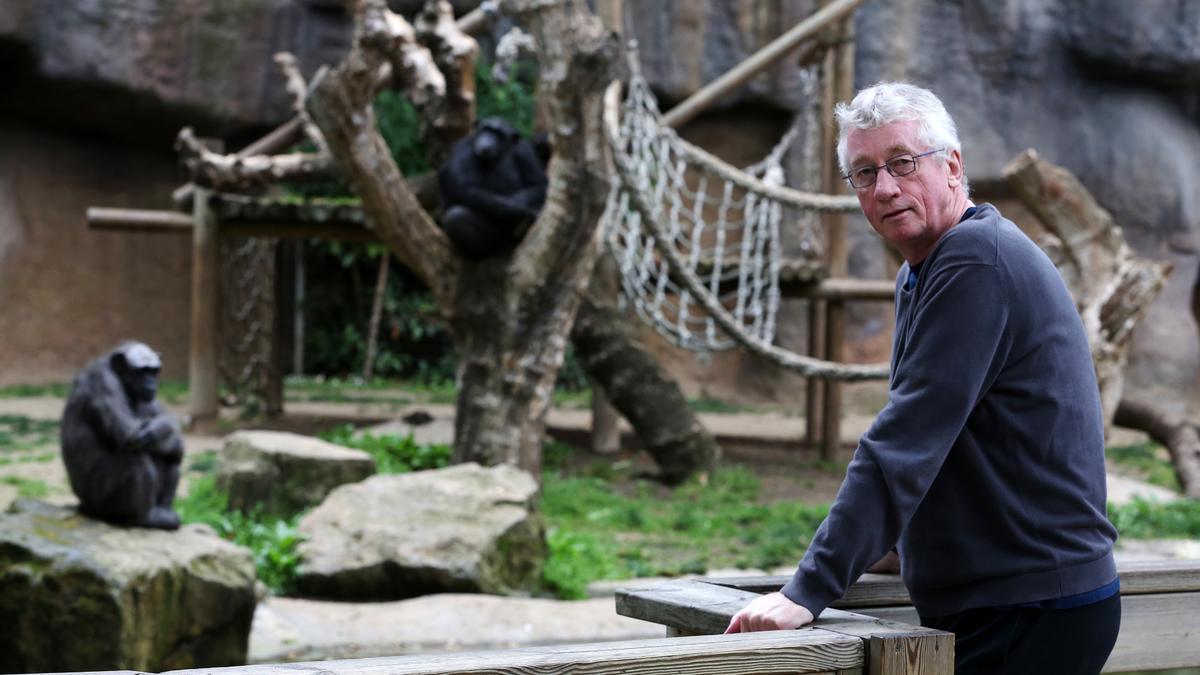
{"points": [[955, 350]]}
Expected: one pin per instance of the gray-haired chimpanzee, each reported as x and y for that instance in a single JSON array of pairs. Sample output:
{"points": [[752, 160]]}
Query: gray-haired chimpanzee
{"points": [[121, 448], [492, 188]]}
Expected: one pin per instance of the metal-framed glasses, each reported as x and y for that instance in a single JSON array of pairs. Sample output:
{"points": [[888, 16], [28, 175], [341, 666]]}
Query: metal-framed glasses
{"points": [[901, 165]]}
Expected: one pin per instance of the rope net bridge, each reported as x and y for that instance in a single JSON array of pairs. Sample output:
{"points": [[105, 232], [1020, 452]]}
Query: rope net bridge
{"points": [[697, 241]]}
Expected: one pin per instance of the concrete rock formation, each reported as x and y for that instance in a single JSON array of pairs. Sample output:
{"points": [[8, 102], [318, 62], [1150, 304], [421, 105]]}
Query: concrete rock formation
{"points": [[144, 66], [79, 595], [285, 473], [461, 529]]}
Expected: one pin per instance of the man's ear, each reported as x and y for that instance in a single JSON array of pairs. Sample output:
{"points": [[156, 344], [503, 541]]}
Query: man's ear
{"points": [[954, 168]]}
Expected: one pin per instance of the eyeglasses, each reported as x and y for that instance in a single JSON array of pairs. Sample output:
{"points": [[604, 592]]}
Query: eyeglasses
{"points": [[900, 165]]}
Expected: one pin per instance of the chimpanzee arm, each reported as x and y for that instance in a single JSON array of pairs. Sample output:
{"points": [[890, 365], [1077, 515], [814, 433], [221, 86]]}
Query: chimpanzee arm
{"points": [[108, 411], [503, 208]]}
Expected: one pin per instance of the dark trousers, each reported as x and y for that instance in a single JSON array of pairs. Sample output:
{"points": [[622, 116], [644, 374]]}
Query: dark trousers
{"points": [[1028, 641]]}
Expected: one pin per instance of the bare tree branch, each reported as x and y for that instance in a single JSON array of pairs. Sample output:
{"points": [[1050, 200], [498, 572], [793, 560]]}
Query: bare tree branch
{"points": [[246, 173], [341, 105]]}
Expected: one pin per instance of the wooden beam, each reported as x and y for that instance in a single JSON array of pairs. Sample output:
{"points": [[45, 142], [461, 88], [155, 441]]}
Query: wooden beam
{"points": [[777, 652], [1138, 577], [759, 61], [138, 220], [202, 362]]}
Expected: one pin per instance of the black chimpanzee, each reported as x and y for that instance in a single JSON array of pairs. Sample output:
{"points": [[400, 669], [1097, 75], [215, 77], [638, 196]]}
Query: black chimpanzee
{"points": [[492, 187], [121, 448]]}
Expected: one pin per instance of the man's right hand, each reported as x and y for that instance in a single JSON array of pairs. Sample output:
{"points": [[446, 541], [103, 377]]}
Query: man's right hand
{"points": [[773, 611]]}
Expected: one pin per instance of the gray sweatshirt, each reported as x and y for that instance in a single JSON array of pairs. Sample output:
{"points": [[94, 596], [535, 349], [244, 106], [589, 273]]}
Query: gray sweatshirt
{"points": [[986, 466]]}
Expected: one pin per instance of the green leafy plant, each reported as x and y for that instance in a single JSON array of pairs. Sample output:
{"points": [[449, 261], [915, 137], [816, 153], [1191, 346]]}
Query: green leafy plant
{"points": [[1145, 519], [272, 541], [392, 453]]}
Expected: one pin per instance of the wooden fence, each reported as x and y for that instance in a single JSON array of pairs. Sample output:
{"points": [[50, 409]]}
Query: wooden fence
{"points": [[1160, 610]]}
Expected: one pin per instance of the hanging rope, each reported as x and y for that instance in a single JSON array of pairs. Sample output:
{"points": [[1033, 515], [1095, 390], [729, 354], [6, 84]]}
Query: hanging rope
{"points": [[697, 241]]}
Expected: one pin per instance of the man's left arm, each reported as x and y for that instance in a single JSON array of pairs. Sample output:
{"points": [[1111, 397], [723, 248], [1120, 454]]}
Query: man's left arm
{"points": [[955, 351]]}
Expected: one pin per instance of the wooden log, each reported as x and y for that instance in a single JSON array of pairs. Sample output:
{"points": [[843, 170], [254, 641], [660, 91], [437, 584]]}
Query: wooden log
{"points": [[777, 652], [202, 362], [1112, 288], [759, 61], [139, 220], [1178, 435]]}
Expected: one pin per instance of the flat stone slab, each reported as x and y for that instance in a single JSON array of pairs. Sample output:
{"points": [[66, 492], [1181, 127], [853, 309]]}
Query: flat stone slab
{"points": [[290, 629], [284, 473], [77, 594]]}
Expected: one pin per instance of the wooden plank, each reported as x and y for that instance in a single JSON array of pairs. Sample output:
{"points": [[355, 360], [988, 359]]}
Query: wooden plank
{"points": [[835, 350], [781, 652], [1158, 630], [202, 361], [691, 605], [881, 590], [912, 655]]}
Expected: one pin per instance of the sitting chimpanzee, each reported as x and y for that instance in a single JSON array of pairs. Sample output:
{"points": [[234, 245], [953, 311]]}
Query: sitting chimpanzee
{"points": [[492, 187], [121, 448]]}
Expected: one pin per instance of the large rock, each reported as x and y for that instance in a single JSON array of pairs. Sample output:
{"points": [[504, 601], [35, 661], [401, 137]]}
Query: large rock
{"points": [[461, 529], [285, 473], [145, 67], [79, 595]]}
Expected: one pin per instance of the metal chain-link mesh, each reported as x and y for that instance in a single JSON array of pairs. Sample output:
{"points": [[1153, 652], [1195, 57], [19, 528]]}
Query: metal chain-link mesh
{"points": [[247, 292]]}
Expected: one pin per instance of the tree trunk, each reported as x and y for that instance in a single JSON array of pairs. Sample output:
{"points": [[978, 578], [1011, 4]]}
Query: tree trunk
{"points": [[639, 388], [509, 316], [1179, 436], [376, 317]]}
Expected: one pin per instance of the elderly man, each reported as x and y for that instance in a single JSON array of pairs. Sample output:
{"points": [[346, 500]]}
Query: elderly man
{"points": [[986, 468]]}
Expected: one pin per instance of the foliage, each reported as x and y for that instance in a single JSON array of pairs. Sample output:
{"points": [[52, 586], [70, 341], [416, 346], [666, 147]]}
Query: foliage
{"points": [[1146, 519], [392, 453], [1147, 461], [413, 342], [273, 541]]}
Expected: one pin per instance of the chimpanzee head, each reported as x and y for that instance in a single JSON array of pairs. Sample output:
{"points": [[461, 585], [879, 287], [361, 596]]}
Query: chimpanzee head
{"points": [[492, 139], [137, 366]]}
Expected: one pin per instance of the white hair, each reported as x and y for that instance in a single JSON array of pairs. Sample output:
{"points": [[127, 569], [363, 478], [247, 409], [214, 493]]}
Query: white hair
{"points": [[888, 102]]}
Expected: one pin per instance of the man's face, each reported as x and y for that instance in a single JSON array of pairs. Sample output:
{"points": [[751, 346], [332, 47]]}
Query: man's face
{"points": [[911, 212]]}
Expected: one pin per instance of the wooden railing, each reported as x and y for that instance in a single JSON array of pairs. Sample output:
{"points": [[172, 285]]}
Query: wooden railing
{"points": [[844, 644], [1160, 610]]}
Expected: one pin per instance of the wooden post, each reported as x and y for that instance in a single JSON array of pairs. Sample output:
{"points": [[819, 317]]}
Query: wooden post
{"points": [[815, 391], [202, 365], [839, 69]]}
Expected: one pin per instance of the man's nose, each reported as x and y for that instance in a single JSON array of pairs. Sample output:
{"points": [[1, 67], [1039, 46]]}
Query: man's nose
{"points": [[886, 186]]}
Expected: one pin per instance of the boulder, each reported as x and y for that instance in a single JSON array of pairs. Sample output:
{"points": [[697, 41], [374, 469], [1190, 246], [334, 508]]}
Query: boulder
{"points": [[465, 528], [285, 473], [80, 595]]}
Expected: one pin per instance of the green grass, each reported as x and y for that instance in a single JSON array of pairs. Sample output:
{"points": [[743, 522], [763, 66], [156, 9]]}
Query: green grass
{"points": [[599, 532], [30, 488], [1148, 461], [18, 433], [55, 389]]}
